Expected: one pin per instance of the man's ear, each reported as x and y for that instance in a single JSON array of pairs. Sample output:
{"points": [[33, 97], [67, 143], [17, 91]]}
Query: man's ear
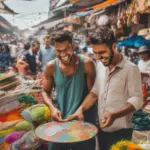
{"points": [[114, 46], [72, 45]]}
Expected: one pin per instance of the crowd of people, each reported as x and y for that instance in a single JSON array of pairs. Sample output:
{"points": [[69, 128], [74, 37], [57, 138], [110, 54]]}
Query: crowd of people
{"points": [[8, 55], [80, 83]]}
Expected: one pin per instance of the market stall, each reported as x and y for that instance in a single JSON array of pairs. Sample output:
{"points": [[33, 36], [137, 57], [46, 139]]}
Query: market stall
{"points": [[21, 111]]}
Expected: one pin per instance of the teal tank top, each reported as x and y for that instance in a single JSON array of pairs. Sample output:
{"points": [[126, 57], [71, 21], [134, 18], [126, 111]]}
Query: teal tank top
{"points": [[71, 90]]}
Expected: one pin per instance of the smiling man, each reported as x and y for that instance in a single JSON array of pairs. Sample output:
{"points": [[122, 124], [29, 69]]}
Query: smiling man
{"points": [[73, 76], [118, 89]]}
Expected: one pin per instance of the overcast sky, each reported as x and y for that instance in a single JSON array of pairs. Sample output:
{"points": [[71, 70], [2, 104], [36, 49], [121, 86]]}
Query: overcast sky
{"points": [[28, 12]]}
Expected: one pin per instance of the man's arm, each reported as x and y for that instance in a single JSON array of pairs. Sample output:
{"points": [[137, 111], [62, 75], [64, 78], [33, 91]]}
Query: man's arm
{"points": [[89, 69], [134, 102], [89, 101], [48, 84], [47, 89]]}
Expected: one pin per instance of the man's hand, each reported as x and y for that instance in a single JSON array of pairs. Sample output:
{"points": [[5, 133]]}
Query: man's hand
{"points": [[56, 114], [108, 120], [78, 115]]}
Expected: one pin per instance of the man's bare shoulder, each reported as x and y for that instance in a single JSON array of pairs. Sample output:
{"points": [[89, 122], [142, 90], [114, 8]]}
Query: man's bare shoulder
{"points": [[51, 64], [50, 68], [88, 61], [89, 65]]}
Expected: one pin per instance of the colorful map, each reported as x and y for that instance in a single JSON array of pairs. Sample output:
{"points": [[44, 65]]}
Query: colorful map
{"points": [[66, 132]]}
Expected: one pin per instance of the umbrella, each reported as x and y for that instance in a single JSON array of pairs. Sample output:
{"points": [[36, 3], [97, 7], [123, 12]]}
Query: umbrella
{"points": [[134, 41], [86, 3]]}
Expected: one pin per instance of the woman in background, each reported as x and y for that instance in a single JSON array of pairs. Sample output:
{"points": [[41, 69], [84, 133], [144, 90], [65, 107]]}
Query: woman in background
{"points": [[6, 60]]}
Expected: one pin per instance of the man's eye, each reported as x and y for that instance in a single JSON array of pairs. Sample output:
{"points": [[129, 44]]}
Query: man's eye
{"points": [[101, 57]]}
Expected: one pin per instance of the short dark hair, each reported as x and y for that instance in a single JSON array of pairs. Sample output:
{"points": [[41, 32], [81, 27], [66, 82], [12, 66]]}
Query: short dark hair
{"points": [[62, 36], [35, 42], [27, 46], [102, 35]]}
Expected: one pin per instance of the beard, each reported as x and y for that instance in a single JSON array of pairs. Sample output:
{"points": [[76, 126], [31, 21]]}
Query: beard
{"points": [[110, 59]]}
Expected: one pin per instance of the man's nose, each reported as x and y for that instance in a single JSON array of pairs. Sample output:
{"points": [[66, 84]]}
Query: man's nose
{"points": [[97, 55], [62, 54]]}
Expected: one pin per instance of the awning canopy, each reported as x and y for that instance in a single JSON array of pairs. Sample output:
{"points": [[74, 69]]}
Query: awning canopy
{"points": [[5, 9], [4, 30], [5, 26], [5, 23], [81, 14], [62, 7], [53, 24], [61, 2], [49, 20], [106, 3], [86, 3]]}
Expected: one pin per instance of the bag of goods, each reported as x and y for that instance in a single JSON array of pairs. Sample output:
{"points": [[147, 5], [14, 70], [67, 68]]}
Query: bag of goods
{"points": [[20, 126], [39, 113], [12, 137], [28, 141]]}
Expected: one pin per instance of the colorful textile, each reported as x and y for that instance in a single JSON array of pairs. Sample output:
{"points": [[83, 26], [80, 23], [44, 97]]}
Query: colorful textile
{"points": [[126, 145], [39, 113], [11, 115], [6, 132], [27, 141], [140, 121], [27, 99], [22, 125], [9, 124], [12, 137], [4, 146], [37, 96], [10, 106], [2, 140]]}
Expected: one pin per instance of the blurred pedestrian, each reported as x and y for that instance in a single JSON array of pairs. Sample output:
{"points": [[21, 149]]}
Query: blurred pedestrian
{"points": [[46, 53]]}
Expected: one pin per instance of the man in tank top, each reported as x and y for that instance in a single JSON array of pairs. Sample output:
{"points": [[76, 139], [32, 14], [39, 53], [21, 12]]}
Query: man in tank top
{"points": [[73, 76]]}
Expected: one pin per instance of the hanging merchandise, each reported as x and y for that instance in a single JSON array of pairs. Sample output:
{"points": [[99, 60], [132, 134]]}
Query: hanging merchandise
{"points": [[72, 19], [74, 1], [137, 7], [143, 6], [132, 13], [122, 10]]}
